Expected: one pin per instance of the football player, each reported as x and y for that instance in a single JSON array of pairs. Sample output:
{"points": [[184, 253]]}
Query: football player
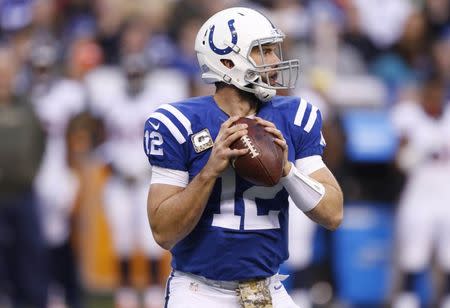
{"points": [[424, 211], [57, 100], [227, 236], [123, 100]]}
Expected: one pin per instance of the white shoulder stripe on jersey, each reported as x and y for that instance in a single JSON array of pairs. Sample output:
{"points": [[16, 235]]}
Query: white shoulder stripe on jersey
{"points": [[312, 119], [300, 112], [172, 128], [181, 117]]}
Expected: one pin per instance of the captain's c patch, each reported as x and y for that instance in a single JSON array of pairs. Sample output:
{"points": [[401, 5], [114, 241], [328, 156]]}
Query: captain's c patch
{"points": [[202, 140]]}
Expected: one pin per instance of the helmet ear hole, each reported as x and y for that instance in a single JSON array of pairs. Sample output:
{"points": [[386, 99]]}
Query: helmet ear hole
{"points": [[227, 63]]}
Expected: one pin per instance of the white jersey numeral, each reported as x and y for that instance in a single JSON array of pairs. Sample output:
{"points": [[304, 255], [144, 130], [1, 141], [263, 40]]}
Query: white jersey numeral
{"points": [[253, 221], [227, 219], [156, 140]]}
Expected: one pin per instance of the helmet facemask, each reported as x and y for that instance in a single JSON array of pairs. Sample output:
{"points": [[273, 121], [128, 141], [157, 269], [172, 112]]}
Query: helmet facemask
{"points": [[282, 75]]}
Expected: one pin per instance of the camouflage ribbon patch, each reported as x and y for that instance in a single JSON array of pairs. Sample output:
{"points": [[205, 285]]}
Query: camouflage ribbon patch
{"points": [[254, 294]]}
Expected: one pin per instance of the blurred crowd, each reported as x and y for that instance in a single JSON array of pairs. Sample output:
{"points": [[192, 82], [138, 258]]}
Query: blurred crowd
{"points": [[78, 79]]}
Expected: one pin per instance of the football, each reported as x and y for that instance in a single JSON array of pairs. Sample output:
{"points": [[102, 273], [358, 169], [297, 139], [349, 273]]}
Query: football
{"points": [[263, 164]]}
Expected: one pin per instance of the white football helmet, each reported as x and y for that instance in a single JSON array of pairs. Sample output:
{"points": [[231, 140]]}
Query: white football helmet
{"points": [[232, 34]]}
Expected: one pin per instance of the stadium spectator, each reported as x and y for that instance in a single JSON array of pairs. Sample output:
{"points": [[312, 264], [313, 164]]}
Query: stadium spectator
{"points": [[423, 216], [56, 100], [23, 258]]}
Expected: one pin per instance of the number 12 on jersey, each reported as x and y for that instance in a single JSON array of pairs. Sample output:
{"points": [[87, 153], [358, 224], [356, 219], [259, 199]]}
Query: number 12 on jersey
{"points": [[252, 221], [156, 140]]}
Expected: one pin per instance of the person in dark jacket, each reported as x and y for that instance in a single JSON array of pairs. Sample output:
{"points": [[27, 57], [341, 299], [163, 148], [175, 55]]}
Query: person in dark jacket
{"points": [[23, 270]]}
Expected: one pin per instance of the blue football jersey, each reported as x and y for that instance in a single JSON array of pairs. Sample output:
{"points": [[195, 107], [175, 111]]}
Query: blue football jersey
{"points": [[243, 231]]}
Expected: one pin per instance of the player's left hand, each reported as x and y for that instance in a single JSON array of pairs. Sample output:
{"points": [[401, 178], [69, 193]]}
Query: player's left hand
{"points": [[279, 139]]}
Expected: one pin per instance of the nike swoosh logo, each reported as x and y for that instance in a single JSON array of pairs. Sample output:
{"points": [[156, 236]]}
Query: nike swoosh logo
{"points": [[155, 126], [278, 287]]}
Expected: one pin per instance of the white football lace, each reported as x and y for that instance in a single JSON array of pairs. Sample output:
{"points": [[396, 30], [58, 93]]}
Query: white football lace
{"points": [[248, 143]]}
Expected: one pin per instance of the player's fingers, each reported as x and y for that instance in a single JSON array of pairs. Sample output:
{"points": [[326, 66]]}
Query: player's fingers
{"points": [[229, 122], [281, 143], [225, 125], [264, 122], [231, 130], [274, 132], [237, 152], [233, 137]]}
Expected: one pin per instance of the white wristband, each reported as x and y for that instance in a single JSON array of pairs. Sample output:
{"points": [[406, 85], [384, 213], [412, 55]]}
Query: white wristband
{"points": [[304, 190]]}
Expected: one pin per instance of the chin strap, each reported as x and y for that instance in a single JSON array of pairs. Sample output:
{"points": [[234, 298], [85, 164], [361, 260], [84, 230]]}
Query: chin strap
{"points": [[264, 94]]}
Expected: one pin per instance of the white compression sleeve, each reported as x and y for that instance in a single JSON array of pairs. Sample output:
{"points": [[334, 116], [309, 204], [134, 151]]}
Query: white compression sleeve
{"points": [[304, 190]]}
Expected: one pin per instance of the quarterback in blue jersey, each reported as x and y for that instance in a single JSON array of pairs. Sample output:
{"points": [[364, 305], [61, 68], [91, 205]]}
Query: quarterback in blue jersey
{"points": [[227, 236]]}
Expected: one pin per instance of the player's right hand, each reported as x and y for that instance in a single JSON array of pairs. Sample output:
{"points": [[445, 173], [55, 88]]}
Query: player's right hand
{"points": [[221, 153]]}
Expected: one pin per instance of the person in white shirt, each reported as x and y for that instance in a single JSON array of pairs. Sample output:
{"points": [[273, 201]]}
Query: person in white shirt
{"points": [[423, 219]]}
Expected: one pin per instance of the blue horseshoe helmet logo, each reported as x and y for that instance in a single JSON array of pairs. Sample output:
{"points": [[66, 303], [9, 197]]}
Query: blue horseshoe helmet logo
{"points": [[234, 39]]}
